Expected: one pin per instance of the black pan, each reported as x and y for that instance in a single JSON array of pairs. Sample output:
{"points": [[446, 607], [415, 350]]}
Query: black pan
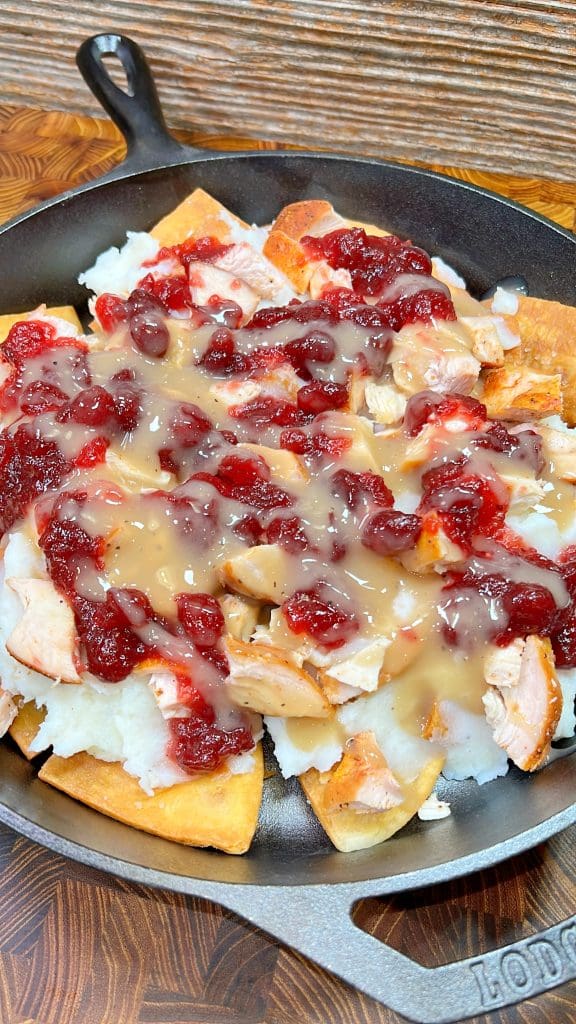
{"points": [[292, 883]]}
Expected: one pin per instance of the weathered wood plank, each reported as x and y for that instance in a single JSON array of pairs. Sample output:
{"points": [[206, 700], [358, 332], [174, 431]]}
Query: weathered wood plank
{"points": [[489, 85]]}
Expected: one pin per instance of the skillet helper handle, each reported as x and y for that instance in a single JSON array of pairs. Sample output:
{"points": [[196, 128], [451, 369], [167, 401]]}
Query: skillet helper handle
{"points": [[135, 111], [317, 921]]}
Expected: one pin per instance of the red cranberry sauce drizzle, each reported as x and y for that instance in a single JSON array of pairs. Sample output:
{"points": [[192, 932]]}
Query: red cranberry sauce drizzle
{"points": [[371, 259], [204, 250], [322, 340], [471, 417], [386, 269], [199, 745], [319, 613], [470, 504], [29, 466], [40, 359], [112, 634], [513, 596]]}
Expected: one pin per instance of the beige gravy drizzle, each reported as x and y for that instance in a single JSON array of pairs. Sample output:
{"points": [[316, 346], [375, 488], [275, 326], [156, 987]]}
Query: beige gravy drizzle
{"points": [[147, 548], [439, 674], [309, 733]]}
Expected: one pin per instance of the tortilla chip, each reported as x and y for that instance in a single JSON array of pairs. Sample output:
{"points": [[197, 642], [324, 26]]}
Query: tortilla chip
{"points": [[197, 216], [68, 313], [25, 727], [356, 830], [547, 332], [219, 809]]}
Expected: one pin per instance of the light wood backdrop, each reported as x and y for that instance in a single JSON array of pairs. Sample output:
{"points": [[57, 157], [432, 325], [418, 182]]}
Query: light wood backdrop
{"points": [[475, 83]]}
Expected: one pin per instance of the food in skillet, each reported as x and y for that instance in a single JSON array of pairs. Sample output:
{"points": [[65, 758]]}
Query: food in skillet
{"points": [[296, 479]]}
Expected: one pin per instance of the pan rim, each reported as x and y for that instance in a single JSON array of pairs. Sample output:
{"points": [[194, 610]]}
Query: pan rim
{"points": [[422, 876], [126, 171], [434, 874]]}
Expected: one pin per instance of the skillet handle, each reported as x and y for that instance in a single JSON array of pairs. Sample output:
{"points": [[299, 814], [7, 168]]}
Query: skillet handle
{"points": [[317, 921], [136, 111]]}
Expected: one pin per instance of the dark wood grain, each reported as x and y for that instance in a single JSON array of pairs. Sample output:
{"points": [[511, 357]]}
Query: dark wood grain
{"points": [[81, 947], [488, 84]]}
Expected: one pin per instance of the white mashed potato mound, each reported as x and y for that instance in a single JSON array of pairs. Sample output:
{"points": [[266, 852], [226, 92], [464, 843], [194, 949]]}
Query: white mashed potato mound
{"points": [[567, 725], [293, 760], [119, 270], [114, 722], [540, 531], [445, 273], [407, 501], [504, 301], [471, 752]]}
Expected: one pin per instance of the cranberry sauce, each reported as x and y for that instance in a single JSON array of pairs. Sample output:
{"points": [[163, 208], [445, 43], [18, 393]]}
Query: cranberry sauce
{"points": [[395, 274], [182, 454]]}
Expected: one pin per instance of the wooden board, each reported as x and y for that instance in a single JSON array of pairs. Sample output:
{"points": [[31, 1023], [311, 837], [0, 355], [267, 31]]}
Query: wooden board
{"points": [[488, 85]]}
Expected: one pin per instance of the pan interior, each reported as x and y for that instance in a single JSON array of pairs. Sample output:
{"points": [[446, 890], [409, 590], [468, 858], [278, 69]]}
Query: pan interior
{"points": [[485, 238]]}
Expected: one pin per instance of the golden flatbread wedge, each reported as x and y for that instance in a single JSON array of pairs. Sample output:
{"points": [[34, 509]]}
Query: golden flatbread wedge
{"points": [[356, 830], [197, 216], [547, 332], [544, 327], [25, 727], [219, 810], [68, 313]]}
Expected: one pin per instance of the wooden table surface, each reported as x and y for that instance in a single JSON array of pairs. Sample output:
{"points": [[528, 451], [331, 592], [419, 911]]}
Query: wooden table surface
{"points": [[81, 947]]}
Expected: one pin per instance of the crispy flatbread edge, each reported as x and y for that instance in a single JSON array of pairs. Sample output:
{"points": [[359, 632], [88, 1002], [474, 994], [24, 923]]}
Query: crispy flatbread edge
{"points": [[25, 726], [547, 331], [218, 810], [68, 313], [354, 830], [198, 215]]}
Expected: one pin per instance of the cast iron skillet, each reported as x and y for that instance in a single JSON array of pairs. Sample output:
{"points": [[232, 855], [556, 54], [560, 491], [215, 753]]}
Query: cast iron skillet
{"points": [[292, 883]]}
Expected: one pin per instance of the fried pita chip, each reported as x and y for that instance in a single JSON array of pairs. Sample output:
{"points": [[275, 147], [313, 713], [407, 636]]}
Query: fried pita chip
{"points": [[357, 830], [219, 809], [25, 727], [197, 216], [67, 313]]}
